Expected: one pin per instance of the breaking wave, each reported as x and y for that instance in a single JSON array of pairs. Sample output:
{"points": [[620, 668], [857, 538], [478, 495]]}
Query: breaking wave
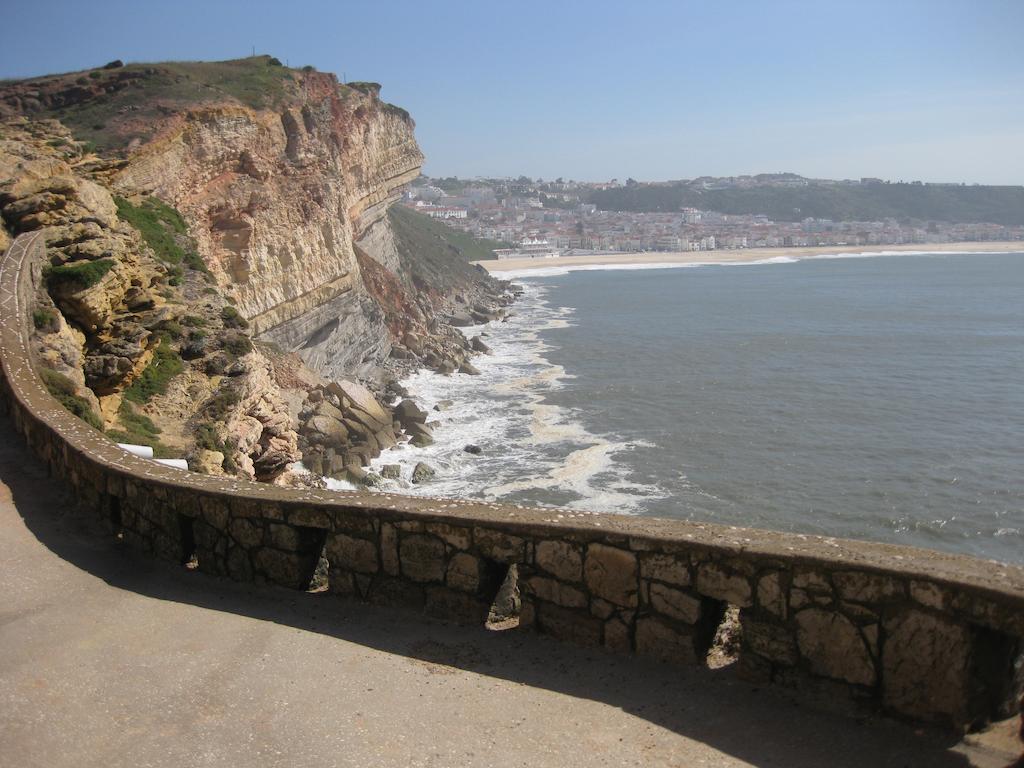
{"points": [[531, 451]]}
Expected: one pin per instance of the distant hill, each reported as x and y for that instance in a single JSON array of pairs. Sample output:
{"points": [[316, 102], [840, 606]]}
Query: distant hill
{"points": [[840, 202]]}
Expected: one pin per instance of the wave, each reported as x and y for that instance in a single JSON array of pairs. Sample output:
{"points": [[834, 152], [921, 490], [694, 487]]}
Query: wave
{"points": [[531, 451]]}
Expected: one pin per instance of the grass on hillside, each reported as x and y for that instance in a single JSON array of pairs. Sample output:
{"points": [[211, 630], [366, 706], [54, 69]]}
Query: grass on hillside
{"points": [[139, 429], [165, 365], [164, 230], [429, 233], [110, 120], [63, 390], [78, 275]]}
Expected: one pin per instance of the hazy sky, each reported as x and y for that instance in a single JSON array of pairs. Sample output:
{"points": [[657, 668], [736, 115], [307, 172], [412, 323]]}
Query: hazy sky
{"points": [[903, 89]]}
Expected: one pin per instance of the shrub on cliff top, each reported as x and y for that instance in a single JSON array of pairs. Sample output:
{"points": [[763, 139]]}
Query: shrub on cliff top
{"points": [[78, 275], [45, 320], [63, 389], [165, 365], [232, 318], [139, 429], [236, 344], [206, 438]]}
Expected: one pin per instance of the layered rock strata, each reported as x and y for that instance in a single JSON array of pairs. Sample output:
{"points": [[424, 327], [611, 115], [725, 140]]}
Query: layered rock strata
{"points": [[285, 203]]}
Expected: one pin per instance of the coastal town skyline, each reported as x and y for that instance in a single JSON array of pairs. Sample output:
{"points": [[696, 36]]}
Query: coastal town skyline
{"points": [[537, 218]]}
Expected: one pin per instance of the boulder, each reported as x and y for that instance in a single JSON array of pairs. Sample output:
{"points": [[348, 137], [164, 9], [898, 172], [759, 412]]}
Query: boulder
{"points": [[370, 421], [408, 413], [391, 471], [477, 345], [314, 462], [324, 408], [469, 368], [208, 462], [420, 435], [413, 342], [386, 438], [472, 448], [355, 473], [335, 465], [363, 403], [327, 431], [422, 472]]}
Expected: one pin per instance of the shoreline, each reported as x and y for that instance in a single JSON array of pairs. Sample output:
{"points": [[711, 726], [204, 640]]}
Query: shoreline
{"points": [[652, 259]]}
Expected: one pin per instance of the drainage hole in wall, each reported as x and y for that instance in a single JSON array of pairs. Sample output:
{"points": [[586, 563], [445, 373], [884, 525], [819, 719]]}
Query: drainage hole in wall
{"points": [[186, 530], [725, 644], [500, 588]]}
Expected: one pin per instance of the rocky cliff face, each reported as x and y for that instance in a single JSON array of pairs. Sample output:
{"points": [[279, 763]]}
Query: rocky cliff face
{"points": [[273, 188], [115, 321], [276, 200]]}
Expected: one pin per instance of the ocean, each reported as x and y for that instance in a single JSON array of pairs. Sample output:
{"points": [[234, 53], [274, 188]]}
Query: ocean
{"points": [[875, 398]]}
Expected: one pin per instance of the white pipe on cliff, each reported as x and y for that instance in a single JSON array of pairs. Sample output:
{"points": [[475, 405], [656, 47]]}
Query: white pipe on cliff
{"points": [[142, 451], [176, 463]]}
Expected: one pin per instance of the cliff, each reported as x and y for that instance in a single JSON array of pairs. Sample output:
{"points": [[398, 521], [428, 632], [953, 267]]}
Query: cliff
{"points": [[193, 209]]}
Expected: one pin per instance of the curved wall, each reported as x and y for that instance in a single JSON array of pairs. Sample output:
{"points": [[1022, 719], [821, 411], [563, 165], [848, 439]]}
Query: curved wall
{"points": [[924, 635]]}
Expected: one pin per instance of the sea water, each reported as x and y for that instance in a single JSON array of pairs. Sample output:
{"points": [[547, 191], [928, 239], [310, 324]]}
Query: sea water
{"points": [[873, 398]]}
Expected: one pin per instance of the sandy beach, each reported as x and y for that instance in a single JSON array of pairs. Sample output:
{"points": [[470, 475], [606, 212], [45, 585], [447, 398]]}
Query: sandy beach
{"points": [[738, 255]]}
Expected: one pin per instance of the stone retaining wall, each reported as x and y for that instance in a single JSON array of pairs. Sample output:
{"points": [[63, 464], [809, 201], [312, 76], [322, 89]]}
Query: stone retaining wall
{"points": [[923, 635]]}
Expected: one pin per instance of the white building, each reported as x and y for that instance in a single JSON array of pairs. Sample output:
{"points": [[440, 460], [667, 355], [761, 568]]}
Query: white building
{"points": [[530, 248]]}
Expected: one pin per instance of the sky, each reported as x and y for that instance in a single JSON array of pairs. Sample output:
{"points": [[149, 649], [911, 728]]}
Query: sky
{"points": [[924, 90]]}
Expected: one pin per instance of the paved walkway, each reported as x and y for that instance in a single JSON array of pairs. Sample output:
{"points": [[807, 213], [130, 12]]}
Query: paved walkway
{"points": [[107, 659]]}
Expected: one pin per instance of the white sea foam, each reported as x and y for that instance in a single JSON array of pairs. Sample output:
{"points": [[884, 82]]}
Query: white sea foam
{"points": [[532, 451]]}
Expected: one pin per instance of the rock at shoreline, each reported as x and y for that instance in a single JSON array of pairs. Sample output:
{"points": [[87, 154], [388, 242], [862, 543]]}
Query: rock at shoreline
{"points": [[355, 473], [473, 448], [478, 345], [408, 413], [422, 473], [443, 405], [391, 471], [469, 368], [420, 435]]}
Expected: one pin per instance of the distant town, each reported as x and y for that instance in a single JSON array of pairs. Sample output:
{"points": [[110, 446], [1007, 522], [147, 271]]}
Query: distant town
{"points": [[534, 218]]}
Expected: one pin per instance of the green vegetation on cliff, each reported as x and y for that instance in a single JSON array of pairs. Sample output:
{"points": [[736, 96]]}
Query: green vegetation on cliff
{"points": [[107, 108], [164, 230], [165, 365], [433, 241], [839, 202], [78, 275], [139, 429], [63, 390]]}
